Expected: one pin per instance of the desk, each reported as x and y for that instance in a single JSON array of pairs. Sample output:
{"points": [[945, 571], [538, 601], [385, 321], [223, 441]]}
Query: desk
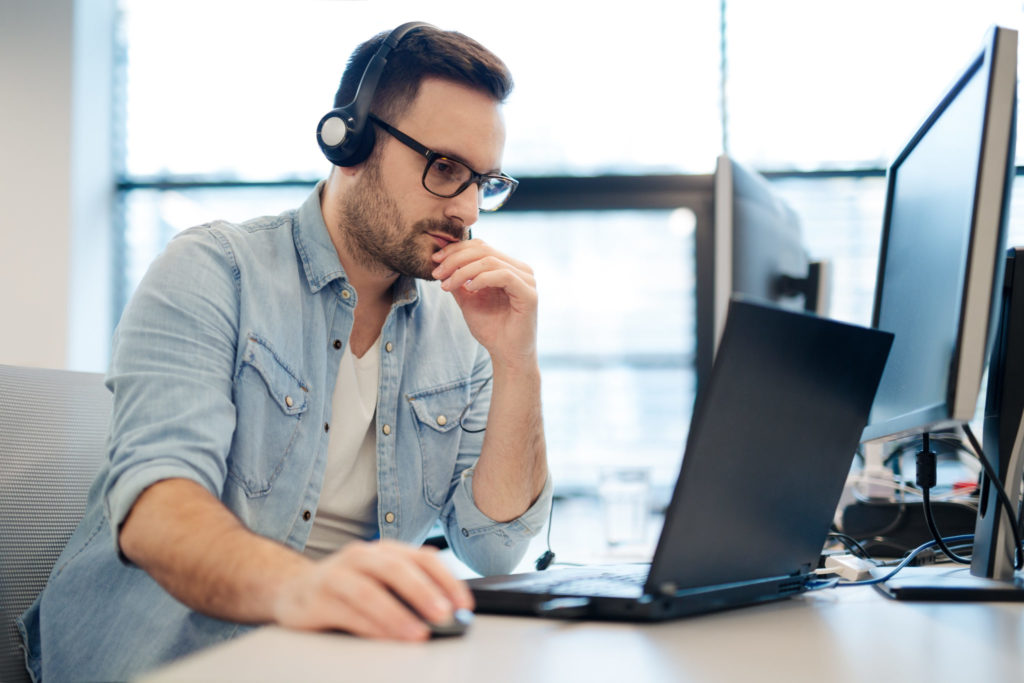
{"points": [[832, 636], [851, 634]]}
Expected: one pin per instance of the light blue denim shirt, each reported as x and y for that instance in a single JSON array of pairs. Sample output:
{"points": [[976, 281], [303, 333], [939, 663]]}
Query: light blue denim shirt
{"points": [[223, 372]]}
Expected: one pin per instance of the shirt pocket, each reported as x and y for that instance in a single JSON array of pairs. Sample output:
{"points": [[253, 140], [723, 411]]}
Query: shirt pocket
{"points": [[270, 400], [436, 413]]}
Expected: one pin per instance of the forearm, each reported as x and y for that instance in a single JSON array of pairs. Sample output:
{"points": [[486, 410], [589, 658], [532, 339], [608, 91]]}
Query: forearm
{"points": [[200, 553], [512, 468]]}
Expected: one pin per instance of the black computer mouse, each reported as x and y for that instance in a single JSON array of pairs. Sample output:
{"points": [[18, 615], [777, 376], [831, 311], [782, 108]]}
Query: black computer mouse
{"points": [[456, 626]]}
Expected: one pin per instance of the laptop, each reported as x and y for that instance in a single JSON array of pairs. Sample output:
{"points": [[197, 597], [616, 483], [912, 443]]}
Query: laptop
{"points": [[769, 449]]}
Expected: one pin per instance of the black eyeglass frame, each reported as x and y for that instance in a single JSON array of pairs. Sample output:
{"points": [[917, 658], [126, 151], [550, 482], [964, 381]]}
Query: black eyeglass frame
{"points": [[432, 156]]}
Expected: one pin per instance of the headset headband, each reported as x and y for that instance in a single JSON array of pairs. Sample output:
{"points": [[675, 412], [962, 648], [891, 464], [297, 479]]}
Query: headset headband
{"points": [[342, 132]]}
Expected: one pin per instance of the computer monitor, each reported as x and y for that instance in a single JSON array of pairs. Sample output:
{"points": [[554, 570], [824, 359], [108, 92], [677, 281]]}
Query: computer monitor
{"points": [[943, 253], [754, 246]]}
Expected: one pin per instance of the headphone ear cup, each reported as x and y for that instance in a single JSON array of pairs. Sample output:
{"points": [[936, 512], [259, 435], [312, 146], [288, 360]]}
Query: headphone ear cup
{"points": [[360, 146], [345, 134], [342, 145]]}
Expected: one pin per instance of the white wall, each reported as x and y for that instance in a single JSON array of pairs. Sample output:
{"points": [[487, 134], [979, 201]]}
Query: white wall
{"points": [[56, 182]]}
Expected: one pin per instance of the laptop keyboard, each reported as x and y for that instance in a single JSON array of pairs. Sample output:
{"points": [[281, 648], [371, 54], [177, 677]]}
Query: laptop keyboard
{"points": [[614, 581]]}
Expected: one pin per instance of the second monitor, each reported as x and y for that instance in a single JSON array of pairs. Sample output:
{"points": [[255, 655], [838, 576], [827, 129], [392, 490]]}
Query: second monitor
{"points": [[755, 247]]}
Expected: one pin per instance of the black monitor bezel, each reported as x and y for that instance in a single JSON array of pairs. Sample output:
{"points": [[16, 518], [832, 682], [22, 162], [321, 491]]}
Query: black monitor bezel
{"points": [[985, 252]]}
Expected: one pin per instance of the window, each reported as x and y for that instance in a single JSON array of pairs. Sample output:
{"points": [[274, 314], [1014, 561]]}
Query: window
{"points": [[818, 85], [616, 330], [234, 90], [220, 102]]}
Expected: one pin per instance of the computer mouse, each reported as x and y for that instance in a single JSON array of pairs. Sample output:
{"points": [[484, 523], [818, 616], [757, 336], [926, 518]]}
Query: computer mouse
{"points": [[456, 626]]}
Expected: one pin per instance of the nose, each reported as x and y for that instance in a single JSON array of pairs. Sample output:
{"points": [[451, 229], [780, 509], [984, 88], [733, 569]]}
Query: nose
{"points": [[465, 206]]}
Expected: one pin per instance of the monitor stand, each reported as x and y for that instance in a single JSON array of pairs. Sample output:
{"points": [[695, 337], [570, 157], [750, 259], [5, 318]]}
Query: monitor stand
{"points": [[991, 575], [949, 582]]}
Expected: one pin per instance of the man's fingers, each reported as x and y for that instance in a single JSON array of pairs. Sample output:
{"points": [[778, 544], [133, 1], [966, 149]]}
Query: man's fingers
{"points": [[421, 580], [460, 254], [521, 296], [383, 589], [393, 585], [457, 591], [474, 270], [368, 604]]}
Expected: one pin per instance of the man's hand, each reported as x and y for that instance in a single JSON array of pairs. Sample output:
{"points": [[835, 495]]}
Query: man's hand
{"points": [[355, 590], [498, 298], [497, 295], [203, 555]]}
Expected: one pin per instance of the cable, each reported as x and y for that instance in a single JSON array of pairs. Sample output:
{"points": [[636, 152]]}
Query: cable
{"points": [[548, 556], [1018, 557], [471, 400], [906, 561], [957, 495], [901, 513], [933, 527], [853, 545], [925, 481]]}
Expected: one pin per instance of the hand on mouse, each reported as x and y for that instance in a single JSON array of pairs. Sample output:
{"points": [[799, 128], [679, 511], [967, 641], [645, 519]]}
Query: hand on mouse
{"points": [[375, 589]]}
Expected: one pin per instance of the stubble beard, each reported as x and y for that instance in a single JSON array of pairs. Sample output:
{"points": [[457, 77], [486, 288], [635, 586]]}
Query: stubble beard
{"points": [[373, 229]]}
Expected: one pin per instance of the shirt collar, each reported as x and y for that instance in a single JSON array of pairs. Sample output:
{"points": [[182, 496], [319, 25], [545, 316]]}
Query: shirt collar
{"points": [[320, 258]]}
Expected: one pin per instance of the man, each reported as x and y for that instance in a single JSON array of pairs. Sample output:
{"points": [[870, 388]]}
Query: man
{"points": [[295, 405]]}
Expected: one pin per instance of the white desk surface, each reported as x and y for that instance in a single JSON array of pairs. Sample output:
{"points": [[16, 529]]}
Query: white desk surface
{"points": [[851, 634], [832, 636]]}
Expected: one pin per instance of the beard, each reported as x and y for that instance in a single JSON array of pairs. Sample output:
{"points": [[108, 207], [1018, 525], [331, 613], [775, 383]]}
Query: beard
{"points": [[375, 234]]}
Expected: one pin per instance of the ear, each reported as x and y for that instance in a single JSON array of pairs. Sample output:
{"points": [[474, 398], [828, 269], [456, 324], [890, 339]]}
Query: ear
{"points": [[350, 171]]}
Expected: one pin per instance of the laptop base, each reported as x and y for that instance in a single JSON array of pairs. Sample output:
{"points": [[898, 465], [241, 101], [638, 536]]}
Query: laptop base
{"points": [[950, 583], [493, 595]]}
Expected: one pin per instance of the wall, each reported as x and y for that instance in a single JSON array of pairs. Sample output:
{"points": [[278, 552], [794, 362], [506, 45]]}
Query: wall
{"points": [[56, 182]]}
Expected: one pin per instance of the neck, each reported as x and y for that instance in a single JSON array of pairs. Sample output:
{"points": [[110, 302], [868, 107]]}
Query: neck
{"points": [[372, 284]]}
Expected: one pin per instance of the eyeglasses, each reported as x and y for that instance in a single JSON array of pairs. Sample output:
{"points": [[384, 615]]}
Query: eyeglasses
{"points": [[447, 177]]}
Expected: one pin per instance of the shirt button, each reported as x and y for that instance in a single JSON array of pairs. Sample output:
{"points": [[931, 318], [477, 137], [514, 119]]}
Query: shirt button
{"points": [[441, 419], [337, 343], [327, 427], [389, 347], [288, 401], [345, 294], [465, 533], [306, 515], [386, 429], [389, 517]]}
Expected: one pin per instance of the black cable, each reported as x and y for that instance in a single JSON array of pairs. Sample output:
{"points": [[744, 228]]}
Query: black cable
{"points": [[852, 544], [925, 481], [900, 498], [1018, 557], [548, 556], [464, 410], [930, 520], [897, 521]]}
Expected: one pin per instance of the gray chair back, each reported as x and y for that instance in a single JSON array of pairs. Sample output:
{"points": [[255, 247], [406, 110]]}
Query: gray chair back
{"points": [[53, 431]]}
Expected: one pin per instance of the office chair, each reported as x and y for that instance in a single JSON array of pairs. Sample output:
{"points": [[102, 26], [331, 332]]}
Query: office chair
{"points": [[53, 430]]}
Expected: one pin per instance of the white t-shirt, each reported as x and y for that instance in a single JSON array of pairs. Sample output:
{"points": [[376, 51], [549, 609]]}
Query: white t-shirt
{"points": [[348, 499]]}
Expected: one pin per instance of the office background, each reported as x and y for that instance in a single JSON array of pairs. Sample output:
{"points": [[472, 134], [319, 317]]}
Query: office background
{"points": [[125, 121]]}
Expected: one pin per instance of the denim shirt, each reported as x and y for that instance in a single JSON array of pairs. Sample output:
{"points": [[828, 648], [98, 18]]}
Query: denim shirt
{"points": [[223, 372]]}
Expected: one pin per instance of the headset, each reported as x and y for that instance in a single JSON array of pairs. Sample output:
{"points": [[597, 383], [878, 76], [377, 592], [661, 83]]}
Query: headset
{"points": [[343, 133]]}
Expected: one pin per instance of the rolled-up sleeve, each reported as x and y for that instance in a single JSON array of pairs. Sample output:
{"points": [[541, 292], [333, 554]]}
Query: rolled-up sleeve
{"points": [[486, 546], [171, 374]]}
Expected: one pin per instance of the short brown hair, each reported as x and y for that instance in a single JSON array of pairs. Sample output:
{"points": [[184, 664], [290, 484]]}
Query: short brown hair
{"points": [[425, 52]]}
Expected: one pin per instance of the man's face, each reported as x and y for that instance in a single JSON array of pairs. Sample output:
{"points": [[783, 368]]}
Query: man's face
{"points": [[393, 222]]}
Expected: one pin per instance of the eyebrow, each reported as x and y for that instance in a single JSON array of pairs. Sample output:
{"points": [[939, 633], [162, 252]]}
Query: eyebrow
{"points": [[456, 157]]}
